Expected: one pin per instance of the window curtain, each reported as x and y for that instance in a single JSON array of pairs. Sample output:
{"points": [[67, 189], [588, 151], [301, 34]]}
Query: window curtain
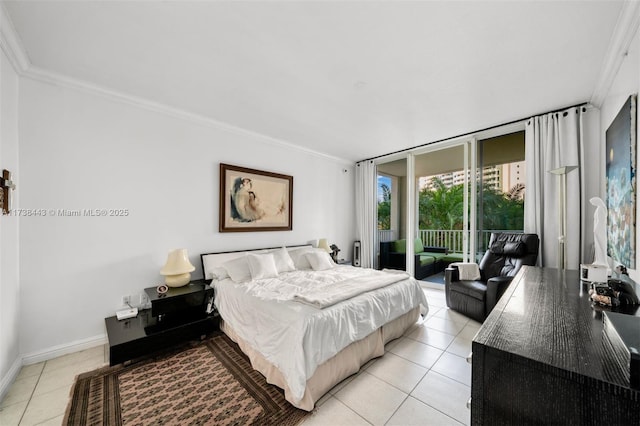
{"points": [[366, 211], [552, 141]]}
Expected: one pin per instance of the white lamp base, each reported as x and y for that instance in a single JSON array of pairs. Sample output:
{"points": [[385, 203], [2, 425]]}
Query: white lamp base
{"points": [[177, 280]]}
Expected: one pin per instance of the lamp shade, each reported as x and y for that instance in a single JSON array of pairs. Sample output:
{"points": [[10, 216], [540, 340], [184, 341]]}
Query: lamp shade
{"points": [[323, 244], [177, 270]]}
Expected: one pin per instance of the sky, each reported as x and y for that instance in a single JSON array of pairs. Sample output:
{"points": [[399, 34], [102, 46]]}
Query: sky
{"points": [[382, 180]]}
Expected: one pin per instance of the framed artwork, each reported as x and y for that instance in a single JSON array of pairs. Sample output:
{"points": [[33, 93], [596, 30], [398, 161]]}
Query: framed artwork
{"points": [[621, 185], [254, 200]]}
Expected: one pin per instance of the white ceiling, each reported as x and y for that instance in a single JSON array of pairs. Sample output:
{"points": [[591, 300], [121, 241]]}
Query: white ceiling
{"points": [[350, 79]]}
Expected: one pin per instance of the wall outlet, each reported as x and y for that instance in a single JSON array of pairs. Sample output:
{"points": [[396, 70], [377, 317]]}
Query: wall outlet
{"points": [[126, 300], [144, 300]]}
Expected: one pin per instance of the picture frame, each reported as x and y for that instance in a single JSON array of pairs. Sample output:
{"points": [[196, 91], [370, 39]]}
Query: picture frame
{"points": [[254, 200], [621, 185]]}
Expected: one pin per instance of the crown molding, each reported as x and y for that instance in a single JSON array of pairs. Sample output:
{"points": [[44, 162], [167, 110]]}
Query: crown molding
{"points": [[12, 46], [10, 43], [60, 80], [622, 37]]}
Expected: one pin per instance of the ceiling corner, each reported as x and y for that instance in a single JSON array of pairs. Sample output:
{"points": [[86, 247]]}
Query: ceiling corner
{"points": [[11, 44], [621, 38]]}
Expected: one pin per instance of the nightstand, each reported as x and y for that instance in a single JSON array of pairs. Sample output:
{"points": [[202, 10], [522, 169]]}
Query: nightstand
{"points": [[175, 317], [343, 262]]}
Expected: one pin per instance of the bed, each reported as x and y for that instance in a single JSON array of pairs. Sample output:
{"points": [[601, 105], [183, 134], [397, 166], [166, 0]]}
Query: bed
{"points": [[308, 324]]}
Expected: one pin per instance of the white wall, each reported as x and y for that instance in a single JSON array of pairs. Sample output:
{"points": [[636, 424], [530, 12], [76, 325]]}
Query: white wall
{"points": [[9, 279], [626, 83], [83, 151]]}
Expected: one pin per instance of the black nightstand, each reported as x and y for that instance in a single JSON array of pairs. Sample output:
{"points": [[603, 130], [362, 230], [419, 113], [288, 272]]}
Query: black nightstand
{"points": [[175, 317]]}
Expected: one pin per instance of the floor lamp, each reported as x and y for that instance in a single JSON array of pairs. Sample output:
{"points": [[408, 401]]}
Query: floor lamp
{"points": [[562, 203]]}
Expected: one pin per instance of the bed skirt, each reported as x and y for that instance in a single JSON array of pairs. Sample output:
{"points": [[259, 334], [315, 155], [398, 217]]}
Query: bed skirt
{"points": [[342, 365]]}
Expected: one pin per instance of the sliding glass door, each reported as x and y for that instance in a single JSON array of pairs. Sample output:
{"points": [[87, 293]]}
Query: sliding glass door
{"points": [[440, 203], [501, 185], [445, 203]]}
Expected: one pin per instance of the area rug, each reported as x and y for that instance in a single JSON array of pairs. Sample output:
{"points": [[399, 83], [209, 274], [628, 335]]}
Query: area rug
{"points": [[211, 383]]}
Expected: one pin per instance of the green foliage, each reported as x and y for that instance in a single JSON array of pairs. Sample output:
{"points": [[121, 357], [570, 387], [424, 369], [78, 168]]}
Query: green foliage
{"points": [[384, 208], [443, 208]]}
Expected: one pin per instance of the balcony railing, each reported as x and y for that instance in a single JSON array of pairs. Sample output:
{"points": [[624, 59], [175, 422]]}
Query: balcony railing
{"points": [[451, 239]]}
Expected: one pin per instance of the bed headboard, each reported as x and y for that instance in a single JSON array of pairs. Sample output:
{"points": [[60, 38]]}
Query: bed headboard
{"points": [[214, 260]]}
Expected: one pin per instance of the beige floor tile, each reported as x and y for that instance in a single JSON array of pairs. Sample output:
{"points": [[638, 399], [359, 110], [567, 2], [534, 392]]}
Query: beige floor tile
{"points": [[30, 370], [469, 331], [436, 302], [415, 413], [446, 395], [74, 358], [65, 375], [433, 310], [20, 390], [417, 352], [56, 421], [334, 412], [460, 346], [11, 414], [432, 337], [454, 367], [450, 314], [45, 407], [342, 384], [398, 372], [371, 398], [440, 324]]}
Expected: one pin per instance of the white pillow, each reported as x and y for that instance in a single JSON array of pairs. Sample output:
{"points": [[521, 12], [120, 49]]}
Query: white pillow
{"points": [[299, 260], [319, 260], [262, 266], [284, 263], [219, 273], [238, 269]]}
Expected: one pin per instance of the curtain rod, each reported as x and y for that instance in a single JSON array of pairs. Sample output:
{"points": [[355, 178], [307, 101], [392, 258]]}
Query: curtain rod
{"points": [[582, 104]]}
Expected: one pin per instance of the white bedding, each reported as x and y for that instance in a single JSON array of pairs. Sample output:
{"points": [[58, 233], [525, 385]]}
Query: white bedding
{"points": [[297, 337]]}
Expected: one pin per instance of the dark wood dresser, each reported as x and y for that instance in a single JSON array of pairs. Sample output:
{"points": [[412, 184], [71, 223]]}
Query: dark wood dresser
{"points": [[540, 358]]}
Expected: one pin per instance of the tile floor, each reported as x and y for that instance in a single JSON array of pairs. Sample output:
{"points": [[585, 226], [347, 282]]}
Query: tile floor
{"points": [[423, 379]]}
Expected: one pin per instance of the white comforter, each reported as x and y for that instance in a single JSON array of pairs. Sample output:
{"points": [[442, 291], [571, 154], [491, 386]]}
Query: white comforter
{"points": [[296, 337]]}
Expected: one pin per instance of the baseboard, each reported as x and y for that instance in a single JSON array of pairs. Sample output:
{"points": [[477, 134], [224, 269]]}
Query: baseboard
{"points": [[59, 350], [10, 377]]}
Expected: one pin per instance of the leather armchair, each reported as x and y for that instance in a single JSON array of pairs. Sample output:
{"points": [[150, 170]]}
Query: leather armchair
{"points": [[506, 254]]}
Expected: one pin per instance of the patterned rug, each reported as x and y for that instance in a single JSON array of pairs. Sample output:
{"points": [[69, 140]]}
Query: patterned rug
{"points": [[211, 383]]}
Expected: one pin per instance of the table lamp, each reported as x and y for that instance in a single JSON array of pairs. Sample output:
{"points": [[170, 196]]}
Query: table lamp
{"points": [[177, 270], [324, 245]]}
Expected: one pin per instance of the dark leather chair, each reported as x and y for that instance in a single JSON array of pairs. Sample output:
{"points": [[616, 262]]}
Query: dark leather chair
{"points": [[506, 254]]}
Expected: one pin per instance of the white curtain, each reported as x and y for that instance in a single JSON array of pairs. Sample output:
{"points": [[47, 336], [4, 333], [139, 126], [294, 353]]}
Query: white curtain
{"points": [[366, 211], [552, 141]]}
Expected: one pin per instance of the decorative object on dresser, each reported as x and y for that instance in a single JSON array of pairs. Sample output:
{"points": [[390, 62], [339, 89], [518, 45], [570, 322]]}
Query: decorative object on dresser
{"points": [[506, 254], [541, 357], [177, 270], [178, 315], [217, 386], [254, 200]]}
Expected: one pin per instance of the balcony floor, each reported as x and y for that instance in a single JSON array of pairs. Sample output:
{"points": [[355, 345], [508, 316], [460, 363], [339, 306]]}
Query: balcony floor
{"points": [[435, 278]]}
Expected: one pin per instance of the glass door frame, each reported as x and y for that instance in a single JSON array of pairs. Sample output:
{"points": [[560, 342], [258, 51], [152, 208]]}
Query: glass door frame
{"points": [[469, 243]]}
